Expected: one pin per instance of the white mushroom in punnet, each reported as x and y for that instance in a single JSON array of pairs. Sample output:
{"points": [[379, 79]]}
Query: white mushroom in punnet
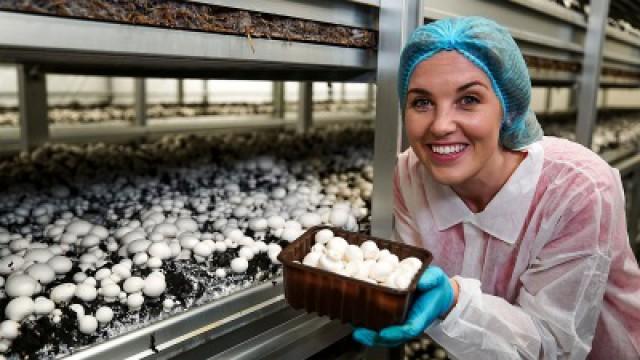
{"points": [[389, 258], [380, 271], [19, 308], [337, 245], [60, 264], [412, 263], [20, 285], [104, 314], [323, 236], [86, 292], [370, 250], [352, 268], [312, 259], [9, 329], [239, 265], [43, 306], [87, 324], [353, 253], [365, 268], [329, 264], [133, 284]]}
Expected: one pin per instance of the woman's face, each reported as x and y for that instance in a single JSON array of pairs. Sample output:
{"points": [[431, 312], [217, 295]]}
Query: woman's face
{"points": [[453, 118]]}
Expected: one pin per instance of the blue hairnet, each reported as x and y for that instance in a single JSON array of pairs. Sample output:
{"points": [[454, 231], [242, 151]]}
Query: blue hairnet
{"points": [[492, 49]]}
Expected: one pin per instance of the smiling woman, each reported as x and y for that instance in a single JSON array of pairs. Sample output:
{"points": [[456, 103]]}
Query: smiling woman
{"points": [[453, 120], [532, 230]]}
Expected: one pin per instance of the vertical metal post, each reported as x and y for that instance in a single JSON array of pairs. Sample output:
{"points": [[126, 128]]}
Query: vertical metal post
{"points": [[605, 98], [277, 99], [141, 102], [547, 99], [371, 93], [398, 18], [180, 91], [330, 93], [590, 77], [34, 121], [305, 106], [110, 90], [343, 95], [205, 92]]}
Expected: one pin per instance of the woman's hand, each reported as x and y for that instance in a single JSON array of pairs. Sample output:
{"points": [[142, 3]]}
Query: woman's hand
{"points": [[437, 296]]}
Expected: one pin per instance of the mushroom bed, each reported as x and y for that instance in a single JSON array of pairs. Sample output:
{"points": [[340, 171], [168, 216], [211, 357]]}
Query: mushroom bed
{"points": [[98, 240]]}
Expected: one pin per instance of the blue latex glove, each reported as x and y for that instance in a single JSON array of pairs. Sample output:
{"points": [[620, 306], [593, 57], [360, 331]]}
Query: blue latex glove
{"points": [[435, 298]]}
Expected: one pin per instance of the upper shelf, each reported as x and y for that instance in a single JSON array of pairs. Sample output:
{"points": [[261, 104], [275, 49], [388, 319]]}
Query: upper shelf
{"points": [[73, 45], [546, 30]]}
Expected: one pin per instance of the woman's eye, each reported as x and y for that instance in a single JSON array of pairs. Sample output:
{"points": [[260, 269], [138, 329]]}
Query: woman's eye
{"points": [[469, 100], [421, 104]]}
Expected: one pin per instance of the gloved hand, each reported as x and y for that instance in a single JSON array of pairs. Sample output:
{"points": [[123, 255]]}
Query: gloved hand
{"points": [[436, 297]]}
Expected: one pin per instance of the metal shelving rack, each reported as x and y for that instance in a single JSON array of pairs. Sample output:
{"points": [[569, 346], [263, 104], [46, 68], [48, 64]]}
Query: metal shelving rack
{"points": [[253, 323], [231, 327]]}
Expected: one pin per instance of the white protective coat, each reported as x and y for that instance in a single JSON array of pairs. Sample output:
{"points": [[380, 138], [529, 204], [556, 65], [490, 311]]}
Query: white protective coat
{"points": [[545, 270]]}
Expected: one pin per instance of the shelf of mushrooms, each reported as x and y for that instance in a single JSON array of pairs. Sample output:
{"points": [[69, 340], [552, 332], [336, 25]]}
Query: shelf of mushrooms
{"points": [[101, 239]]}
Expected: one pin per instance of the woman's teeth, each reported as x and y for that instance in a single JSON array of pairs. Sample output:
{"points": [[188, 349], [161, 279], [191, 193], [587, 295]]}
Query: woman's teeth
{"points": [[448, 149]]}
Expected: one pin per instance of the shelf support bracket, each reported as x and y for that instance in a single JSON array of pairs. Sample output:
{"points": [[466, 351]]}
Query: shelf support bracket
{"points": [[589, 82], [34, 120], [305, 107], [398, 19], [277, 98], [141, 102]]}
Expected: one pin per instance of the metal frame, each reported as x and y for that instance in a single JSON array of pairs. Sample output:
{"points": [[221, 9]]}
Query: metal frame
{"points": [[140, 93], [89, 47], [398, 18], [590, 78], [305, 107], [32, 94]]}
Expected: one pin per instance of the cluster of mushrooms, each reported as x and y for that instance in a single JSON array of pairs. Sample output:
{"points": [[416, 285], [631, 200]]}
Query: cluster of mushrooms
{"points": [[88, 245], [366, 262]]}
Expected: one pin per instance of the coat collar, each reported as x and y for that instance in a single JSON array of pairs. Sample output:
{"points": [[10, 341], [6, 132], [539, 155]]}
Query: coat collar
{"points": [[504, 217]]}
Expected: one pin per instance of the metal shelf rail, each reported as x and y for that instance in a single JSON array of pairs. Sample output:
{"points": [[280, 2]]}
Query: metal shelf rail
{"points": [[43, 44], [238, 325]]}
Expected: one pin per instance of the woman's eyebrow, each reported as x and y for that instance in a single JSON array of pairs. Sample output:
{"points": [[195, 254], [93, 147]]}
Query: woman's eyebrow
{"points": [[419, 91], [471, 84]]}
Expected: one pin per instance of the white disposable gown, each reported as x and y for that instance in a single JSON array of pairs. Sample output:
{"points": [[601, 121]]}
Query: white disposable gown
{"points": [[545, 270]]}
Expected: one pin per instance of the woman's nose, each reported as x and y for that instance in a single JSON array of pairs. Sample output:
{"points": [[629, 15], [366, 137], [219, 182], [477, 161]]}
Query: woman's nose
{"points": [[443, 123]]}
